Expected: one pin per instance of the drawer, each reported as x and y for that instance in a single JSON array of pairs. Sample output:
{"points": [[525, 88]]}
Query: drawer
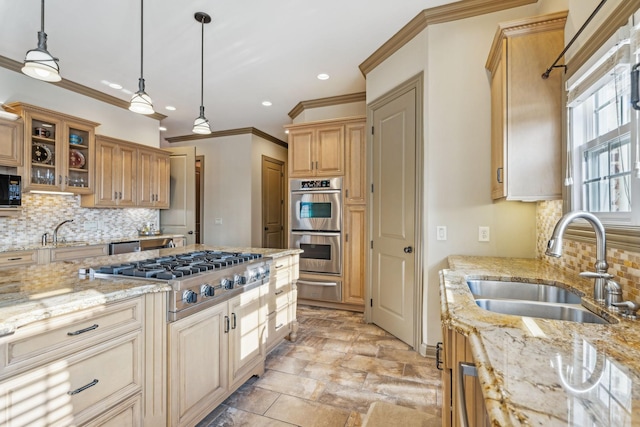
{"points": [[278, 325], [126, 414], [78, 252], [15, 258], [280, 264], [76, 389], [54, 338], [277, 298]]}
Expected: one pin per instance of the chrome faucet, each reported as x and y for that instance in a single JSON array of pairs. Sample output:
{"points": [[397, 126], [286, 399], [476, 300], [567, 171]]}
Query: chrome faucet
{"points": [[55, 232], [601, 276]]}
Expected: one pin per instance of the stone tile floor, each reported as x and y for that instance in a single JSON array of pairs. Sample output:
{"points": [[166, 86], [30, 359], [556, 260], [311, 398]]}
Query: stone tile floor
{"points": [[338, 366]]}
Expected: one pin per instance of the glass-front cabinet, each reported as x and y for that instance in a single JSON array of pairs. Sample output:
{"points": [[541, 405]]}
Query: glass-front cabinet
{"points": [[59, 150]]}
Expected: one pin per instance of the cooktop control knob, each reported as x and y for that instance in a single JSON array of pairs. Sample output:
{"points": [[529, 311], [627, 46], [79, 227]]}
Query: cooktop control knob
{"points": [[252, 275], [262, 272], [207, 290], [239, 279], [226, 283], [189, 297]]}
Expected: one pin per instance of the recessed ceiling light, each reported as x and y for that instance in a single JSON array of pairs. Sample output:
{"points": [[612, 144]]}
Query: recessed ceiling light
{"points": [[170, 108], [267, 103], [127, 91], [105, 82], [162, 128], [286, 131], [115, 86], [323, 76]]}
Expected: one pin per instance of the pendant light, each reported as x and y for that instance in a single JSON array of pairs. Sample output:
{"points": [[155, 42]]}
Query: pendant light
{"points": [[201, 124], [140, 101], [39, 63]]}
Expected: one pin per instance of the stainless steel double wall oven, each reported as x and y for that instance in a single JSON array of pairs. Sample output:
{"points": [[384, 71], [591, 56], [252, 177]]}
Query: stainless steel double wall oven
{"points": [[316, 228]]}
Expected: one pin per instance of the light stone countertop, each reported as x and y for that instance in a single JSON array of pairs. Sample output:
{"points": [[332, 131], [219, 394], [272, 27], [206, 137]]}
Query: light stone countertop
{"points": [[30, 246], [539, 372], [36, 292]]}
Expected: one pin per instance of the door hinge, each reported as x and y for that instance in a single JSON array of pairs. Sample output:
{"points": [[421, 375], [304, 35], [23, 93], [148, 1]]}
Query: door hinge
{"points": [[372, 188], [371, 302], [372, 132], [282, 202], [372, 244], [346, 237]]}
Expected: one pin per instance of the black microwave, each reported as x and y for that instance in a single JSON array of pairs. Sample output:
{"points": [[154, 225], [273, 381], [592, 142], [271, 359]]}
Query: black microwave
{"points": [[10, 190]]}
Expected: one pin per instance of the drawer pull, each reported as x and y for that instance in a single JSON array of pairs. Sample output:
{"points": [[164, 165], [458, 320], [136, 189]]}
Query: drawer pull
{"points": [[279, 292], [279, 326], [279, 265], [83, 388], [82, 331], [271, 313], [14, 259]]}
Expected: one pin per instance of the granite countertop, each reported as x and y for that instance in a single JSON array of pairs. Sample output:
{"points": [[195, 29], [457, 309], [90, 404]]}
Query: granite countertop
{"points": [[36, 292], [539, 372], [30, 246]]}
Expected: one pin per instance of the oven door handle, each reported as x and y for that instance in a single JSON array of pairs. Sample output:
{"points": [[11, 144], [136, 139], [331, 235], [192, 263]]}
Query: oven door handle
{"points": [[305, 282], [317, 233], [307, 191]]}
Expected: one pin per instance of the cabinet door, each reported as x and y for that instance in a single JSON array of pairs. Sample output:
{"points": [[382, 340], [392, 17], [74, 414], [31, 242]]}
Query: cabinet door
{"points": [[145, 178], [198, 361], [355, 156], [11, 142], [44, 166], [498, 129], [354, 253], [162, 177], [247, 329], [329, 151], [475, 408], [77, 147], [127, 177], [301, 161]]}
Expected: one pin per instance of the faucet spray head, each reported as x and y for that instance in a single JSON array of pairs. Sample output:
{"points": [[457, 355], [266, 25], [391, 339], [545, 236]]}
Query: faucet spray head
{"points": [[554, 247]]}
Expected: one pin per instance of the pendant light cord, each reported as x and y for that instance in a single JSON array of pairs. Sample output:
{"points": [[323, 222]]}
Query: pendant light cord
{"points": [[141, 35], [42, 17], [202, 64]]}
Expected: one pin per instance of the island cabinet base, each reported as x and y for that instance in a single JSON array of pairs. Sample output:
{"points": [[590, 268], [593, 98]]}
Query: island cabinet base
{"points": [[459, 382]]}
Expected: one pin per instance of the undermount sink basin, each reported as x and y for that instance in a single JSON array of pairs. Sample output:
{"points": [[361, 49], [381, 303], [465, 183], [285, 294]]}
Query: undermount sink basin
{"points": [[496, 289], [573, 313]]}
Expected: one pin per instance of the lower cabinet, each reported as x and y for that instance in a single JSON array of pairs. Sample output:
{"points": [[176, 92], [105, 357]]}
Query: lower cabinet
{"points": [[355, 218], [460, 384], [211, 354], [281, 301], [90, 378]]}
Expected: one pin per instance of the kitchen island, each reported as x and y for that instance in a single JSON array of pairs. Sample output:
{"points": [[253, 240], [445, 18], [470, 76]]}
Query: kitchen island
{"points": [[539, 372], [79, 348]]}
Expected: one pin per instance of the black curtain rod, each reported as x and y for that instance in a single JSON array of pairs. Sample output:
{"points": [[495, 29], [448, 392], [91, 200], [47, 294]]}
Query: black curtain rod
{"points": [[545, 75]]}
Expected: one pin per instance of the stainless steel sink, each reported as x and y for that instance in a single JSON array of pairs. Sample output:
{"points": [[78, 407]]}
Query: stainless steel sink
{"points": [[495, 289], [573, 313]]}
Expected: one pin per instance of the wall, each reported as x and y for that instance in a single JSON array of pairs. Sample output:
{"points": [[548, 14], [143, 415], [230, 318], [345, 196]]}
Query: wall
{"points": [[331, 112], [457, 146], [232, 187], [41, 213]]}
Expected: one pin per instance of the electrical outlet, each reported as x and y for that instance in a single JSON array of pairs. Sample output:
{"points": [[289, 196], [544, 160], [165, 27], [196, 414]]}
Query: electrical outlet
{"points": [[217, 221], [90, 225], [483, 234], [441, 232]]}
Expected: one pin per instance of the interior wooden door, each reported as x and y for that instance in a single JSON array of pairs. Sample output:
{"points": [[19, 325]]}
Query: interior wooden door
{"points": [[272, 203]]}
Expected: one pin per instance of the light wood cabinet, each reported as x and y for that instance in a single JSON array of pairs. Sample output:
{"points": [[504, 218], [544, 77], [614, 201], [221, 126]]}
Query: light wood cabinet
{"points": [[85, 367], [526, 110], [16, 258], [116, 163], [456, 351], [11, 142], [246, 349], [278, 299], [129, 175], [153, 178], [355, 220], [316, 151], [58, 150], [355, 186], [77, 252]]}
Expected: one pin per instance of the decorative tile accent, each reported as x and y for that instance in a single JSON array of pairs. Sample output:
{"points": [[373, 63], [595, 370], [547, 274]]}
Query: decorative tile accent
{"points": [[42, 212], [578, 256]]}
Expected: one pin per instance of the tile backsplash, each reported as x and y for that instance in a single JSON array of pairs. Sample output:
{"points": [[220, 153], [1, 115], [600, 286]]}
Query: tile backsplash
{"points": [[42, 212], [579, 256]]}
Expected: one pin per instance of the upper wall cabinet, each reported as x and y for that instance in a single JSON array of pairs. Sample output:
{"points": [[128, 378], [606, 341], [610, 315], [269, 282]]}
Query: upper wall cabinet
{"points": [[11, 142], [526, 111], [153, 178], [316, 150], [58, 150]]}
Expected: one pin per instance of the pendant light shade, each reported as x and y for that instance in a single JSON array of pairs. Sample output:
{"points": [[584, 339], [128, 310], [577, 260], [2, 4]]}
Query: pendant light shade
{"points": [[201, 124], [140, 101], [38, 62]]}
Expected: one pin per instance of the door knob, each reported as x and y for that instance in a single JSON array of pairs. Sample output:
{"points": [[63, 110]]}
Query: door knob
{"points": [[266, 229], [189, 232], [408, 250]]}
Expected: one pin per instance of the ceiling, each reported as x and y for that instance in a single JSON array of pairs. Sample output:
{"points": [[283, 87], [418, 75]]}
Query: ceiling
{"points": [[254, 51]]}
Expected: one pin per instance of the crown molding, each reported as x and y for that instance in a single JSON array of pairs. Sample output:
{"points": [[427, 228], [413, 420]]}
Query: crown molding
{"points": [[327, 102], [228, 132], [436, 15], [16, 66]]}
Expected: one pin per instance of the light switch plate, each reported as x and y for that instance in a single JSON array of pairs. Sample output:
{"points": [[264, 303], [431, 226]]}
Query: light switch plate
{"points": [[441, 232], [218, 221]]}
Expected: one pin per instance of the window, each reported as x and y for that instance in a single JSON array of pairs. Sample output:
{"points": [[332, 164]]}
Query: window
{"points": [[602, 141]]}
